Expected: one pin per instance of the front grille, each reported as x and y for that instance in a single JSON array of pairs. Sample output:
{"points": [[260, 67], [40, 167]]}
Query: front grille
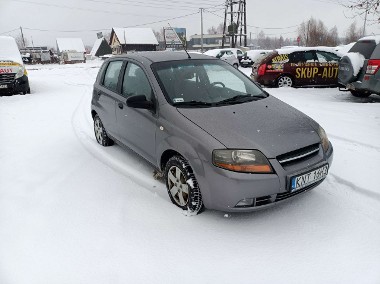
{"points": [[298, 155], [7, 78]]}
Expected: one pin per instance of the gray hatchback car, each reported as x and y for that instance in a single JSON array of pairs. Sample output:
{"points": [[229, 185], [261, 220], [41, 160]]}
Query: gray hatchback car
{"points": [[219, 140]]}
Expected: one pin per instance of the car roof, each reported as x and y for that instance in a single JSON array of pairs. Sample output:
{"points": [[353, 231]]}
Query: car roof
{"points": [[317, 48], [375, 38], [162, 56]]}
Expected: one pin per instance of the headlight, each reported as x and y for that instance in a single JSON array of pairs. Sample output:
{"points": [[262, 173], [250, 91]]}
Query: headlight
{"points": [[21, 72], [246, 161], [324, 140]]}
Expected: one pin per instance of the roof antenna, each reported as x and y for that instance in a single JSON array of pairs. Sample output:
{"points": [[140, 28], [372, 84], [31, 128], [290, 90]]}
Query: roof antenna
{"points": [[183, 45]]}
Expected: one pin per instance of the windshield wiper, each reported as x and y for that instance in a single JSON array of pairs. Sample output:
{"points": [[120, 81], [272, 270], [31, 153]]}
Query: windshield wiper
{"points": [[193, 103], [239, 99]]}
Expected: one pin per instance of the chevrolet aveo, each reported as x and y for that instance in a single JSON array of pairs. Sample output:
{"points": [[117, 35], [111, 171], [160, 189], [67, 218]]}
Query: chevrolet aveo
{"points": [[219, 140]]}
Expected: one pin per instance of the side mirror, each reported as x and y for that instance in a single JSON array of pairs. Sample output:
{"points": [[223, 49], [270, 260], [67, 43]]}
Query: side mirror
{"points": [[139, 101]]}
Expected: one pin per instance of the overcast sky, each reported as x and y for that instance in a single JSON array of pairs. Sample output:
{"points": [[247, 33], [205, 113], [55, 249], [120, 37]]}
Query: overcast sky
{"points": [[88, 16]]}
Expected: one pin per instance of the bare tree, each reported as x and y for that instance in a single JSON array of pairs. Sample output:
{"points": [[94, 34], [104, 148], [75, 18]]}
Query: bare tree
{"points": [[366, 9], [20, 42], [314, 32], [353, 33], [216, 30], [159, 35]]}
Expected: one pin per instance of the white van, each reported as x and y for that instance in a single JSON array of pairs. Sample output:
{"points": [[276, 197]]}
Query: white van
{"points": [[13, 75]]}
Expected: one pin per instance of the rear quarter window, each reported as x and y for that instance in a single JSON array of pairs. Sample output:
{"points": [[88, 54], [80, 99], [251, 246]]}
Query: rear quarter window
{"points": [[376, 53]]}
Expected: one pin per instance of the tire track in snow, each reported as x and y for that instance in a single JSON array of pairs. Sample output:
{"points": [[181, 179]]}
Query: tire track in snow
{"points": [[354, 142], [142, 174]]}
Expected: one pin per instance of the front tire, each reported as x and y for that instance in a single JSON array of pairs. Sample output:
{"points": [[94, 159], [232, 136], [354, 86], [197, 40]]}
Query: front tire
{"points": [[236, 66], [182, 185], [360, 94], [284, 81], [100, 133]]}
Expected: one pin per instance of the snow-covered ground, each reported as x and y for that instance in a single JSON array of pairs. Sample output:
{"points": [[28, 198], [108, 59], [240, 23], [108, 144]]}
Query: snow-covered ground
{"points": [[72, 211]]}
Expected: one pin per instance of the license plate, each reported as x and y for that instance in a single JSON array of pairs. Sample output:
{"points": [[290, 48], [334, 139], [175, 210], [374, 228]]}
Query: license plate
{"points": [[3, 86], [309, 178]]}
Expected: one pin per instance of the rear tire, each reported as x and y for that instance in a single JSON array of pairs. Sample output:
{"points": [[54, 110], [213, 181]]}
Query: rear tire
{"points": [[360, 94], [100, 133], [284, 81], [182, 185]]}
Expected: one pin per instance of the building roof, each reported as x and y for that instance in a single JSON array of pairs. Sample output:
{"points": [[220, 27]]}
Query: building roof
{"points": [[96, 46], [135, 36], [70, 44]]}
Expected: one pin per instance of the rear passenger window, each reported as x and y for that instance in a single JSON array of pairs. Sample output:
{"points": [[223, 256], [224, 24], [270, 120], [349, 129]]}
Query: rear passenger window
{"points": [[112, 75], [324, 57]]}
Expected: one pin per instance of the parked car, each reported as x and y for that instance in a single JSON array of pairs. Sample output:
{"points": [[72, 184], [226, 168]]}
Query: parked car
{"points": [[226, 55], [359, 68], [251, 56], [220, 140], [301, 66], [13, 75]]}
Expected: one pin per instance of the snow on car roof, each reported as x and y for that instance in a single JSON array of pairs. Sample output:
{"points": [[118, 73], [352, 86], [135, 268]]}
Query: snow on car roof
{"points": [[212, 52], [293, 49], [135, 36], [70, 44], [376, 38], [9, 49]]}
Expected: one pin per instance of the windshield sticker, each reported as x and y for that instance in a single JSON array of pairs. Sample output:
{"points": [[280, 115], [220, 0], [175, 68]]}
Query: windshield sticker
{"points": [[178, 100]]}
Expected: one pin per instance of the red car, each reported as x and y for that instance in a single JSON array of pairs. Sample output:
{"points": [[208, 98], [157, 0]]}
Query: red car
{"points": [[299, 66]]}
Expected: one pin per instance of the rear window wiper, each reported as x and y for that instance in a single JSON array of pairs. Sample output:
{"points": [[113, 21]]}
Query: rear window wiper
{"points": [[193, 103]]}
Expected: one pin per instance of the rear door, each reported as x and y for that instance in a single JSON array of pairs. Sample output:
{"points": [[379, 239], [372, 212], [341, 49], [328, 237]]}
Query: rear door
{"points": [[105, 94], [136, 127], [327, 68]]}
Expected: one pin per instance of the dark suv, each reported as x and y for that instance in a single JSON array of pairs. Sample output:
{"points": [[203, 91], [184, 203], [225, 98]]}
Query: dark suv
{"points": [[359, 68]]}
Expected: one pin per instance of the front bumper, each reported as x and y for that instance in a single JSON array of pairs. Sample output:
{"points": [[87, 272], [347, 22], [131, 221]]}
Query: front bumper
{"points": [[222, 190], [19, 85]]}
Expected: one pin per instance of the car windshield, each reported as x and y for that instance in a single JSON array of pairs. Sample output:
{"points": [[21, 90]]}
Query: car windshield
{"points": [[205, 83]]}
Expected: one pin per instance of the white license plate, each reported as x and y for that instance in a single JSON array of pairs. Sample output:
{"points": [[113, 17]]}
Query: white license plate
{"points": [[308, 178], [3, 86]]}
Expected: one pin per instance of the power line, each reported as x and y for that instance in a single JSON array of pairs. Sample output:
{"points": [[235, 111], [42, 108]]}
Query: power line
{"points": [[82, 9], [10, 31], [104, 29]]}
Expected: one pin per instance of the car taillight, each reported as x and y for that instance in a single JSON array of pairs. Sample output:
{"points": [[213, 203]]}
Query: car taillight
{"points": [[262, 69], [373, 66]]}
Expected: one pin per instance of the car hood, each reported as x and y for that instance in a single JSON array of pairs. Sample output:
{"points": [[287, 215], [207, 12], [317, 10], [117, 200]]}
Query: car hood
{"points": [[269, 125]]}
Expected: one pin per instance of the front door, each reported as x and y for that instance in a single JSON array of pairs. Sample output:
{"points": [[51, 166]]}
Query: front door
{"points": [[136, 127]]}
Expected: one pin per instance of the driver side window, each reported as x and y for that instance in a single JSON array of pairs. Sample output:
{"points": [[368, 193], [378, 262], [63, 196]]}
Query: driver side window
{"points": [[135, 82]]}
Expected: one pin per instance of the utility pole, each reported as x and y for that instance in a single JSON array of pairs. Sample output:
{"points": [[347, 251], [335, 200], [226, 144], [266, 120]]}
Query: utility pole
{"points": [[224, 25], [365, 18], [22, 36], [236, 28], [201, 29], [232, 24]]}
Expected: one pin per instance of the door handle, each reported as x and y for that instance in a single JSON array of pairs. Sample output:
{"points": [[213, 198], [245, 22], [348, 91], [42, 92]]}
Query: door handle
{"points": [[120, 105]]}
